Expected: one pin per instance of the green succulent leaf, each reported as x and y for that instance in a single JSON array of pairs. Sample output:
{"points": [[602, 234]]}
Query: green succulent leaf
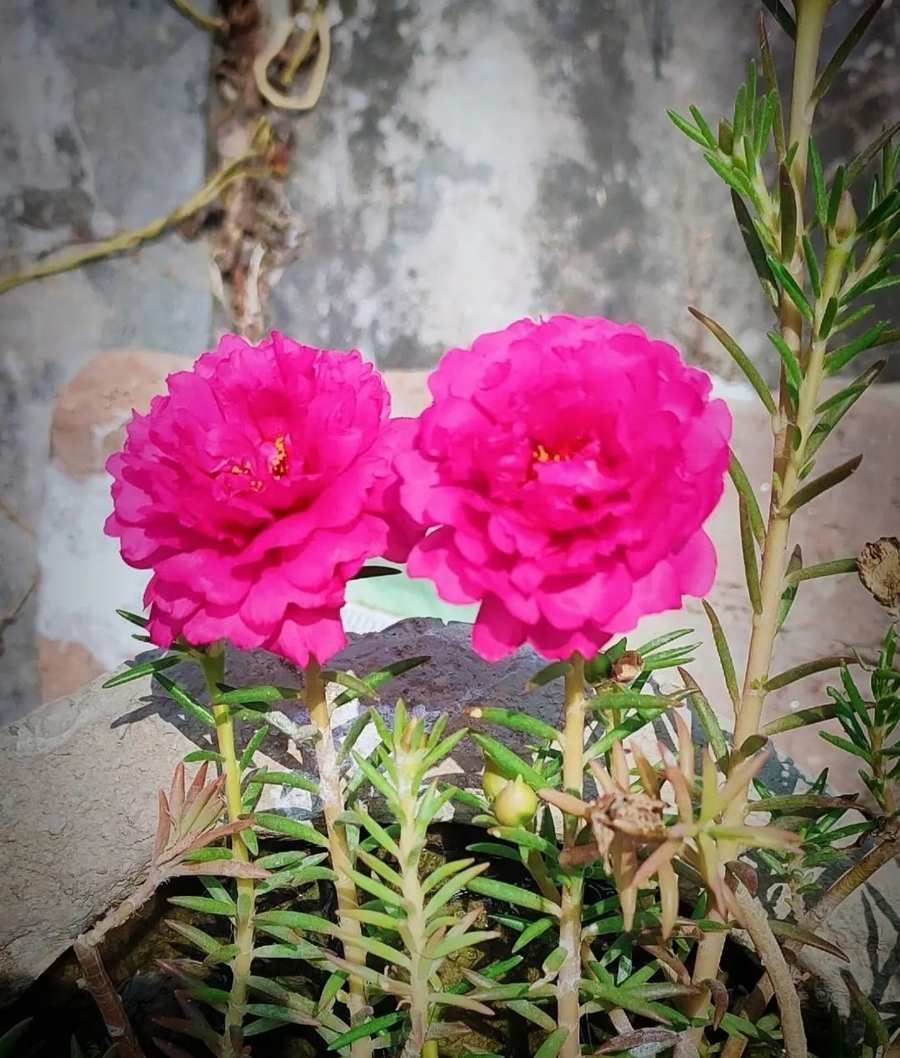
{"points": [[821, 484], [788, 210], [708, 719], [515, 720], [139, 671], [293, 779], [790, 286], [724, 652], [205, 905], [838, 359], [551, 1047], [513, 894], [532, 932], [817, 174], [291, 828], [366, 1030], [687, 128], [508, 763], [554, 671], [740, 358], [374, 680], [186, 701], [256, 741]]}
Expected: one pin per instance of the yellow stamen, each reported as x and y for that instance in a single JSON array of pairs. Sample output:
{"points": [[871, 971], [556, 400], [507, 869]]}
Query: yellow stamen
{"points": [[279, 465]]}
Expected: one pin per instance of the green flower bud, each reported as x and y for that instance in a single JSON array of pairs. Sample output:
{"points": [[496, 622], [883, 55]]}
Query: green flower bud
{"points": [[492, 782], [516, 804]]}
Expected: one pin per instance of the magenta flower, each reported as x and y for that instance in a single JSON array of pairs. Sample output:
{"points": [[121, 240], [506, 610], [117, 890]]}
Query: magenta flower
{"points": [[568, 466], [255, 490]]}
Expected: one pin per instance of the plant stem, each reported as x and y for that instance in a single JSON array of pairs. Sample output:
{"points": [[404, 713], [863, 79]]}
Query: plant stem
{"points": [[569, 980], [755, 921], [107, 999], [880, 854], [215, 25], [414, 929], [332, 809], [213, 664], [787, 460]]}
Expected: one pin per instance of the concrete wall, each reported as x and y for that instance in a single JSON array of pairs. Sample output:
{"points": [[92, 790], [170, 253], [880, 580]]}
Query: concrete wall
{"points": [[469, 162]]}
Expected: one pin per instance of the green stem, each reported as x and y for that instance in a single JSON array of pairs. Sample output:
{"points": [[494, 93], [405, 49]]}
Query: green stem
{"points": [[787, 463], [213, 665], [569, 981], [332, 809], [414, 930]]}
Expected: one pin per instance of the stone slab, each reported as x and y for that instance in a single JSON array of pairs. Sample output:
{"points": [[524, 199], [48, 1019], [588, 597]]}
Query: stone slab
{"points": [[75, 837]]}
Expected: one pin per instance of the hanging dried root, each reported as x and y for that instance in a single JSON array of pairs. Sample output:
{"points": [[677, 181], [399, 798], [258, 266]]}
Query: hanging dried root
{"points": [[281, 26], [124, 241], [204, 21]]}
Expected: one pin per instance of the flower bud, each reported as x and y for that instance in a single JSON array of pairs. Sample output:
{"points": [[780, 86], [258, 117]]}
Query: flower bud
{"points": [[845, 222], [628, 667], [492, 782], [516, 804]]}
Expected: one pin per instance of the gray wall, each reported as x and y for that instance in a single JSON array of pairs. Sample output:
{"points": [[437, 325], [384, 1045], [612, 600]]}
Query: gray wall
{"points": [[469, 162]]}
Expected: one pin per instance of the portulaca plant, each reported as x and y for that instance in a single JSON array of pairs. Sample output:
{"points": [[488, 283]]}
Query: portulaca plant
{"points": [[560, 480]]}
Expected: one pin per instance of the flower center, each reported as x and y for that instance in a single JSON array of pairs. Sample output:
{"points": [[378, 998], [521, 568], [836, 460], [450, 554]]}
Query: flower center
{"points": [[557, 454], [244, 474], [245, 470], [278, 465]]}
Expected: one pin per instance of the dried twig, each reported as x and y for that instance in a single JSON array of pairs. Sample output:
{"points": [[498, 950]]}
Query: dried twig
{"points": [[754, 919], [108, 1001], [15, 518], [13, 614], [849, 881]]}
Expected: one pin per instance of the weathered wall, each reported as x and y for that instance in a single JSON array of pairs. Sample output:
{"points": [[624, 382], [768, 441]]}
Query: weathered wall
{"points": [[470, 161]]}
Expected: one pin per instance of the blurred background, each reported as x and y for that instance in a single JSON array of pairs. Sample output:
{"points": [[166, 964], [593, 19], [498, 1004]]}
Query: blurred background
{"points": [[459, 164]]}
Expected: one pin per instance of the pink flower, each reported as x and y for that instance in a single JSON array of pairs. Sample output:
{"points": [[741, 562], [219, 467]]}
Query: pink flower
{"points": [[255, 490], [568, 466]]}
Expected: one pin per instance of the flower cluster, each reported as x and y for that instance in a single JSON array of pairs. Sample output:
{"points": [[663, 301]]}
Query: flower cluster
{"points": [[560, 479]]}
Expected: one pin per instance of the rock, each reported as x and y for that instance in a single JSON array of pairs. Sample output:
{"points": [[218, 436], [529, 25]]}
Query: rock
{"points": [[85, 769], [91, 411]]}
